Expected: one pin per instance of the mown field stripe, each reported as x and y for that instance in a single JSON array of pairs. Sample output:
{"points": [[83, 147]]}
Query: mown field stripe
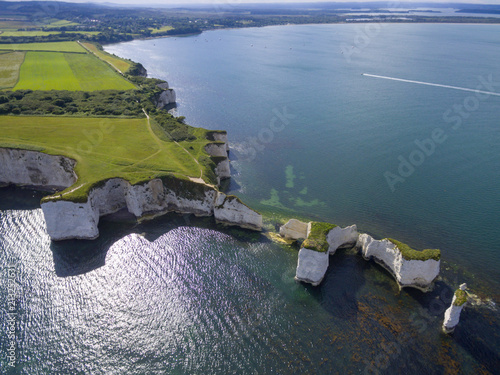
{"points": [[46, 71], [10, 66], [45, 47]]}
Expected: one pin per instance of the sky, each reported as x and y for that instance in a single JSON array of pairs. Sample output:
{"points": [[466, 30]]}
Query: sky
{"points": [[401, 3]]}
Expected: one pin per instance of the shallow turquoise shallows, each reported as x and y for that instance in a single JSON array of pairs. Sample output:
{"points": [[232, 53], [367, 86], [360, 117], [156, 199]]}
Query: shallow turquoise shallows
{"points": [[311, 137]]}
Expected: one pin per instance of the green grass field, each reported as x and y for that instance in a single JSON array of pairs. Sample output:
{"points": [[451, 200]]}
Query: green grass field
{"points": [[7, 33], [161, 30], [103, 148], [118, 63], [49, 47], [60, 23], [10, 63], [15, 24], [68, 71]]}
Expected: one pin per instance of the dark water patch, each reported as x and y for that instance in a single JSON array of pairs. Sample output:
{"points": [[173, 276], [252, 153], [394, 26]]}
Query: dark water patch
{"points": [[343, 280], [19, 198], [478, 334]]}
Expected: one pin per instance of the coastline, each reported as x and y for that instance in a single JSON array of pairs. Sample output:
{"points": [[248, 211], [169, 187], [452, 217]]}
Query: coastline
{"points": [[270, 214]]}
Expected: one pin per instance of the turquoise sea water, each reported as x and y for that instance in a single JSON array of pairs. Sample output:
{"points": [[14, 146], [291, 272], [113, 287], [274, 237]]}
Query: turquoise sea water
{"points": [[339, 131], [179, 295]]}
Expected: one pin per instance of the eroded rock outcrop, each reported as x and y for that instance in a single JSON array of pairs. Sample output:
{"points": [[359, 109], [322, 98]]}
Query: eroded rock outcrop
{"points": [[218, 150], [223, 168], [313, 262], [452, 314], [409, 267], [230, 210], [66, 220], [31, 168], [294, 229], [166, 97]]}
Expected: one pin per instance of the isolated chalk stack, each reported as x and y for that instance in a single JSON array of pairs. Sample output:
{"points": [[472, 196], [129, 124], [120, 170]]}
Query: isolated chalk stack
{"points": [[452, 315]]}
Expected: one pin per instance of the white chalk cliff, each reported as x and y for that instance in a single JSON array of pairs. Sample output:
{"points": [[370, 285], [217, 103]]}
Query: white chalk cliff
{"points": [[452, 314], [219, 152], [230, 210], [68, 220], [294, 229], [408, 273], [166, 97], [312, 264], [79, 220], [31, 168]]}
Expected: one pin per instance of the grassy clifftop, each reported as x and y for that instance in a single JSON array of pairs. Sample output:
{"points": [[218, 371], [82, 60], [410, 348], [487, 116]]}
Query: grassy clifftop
{"points": [[411, 254], [108, 147], [317, 236]]}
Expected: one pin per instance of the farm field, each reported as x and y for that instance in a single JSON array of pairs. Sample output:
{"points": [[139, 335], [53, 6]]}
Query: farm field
{"points": [[120, 64], [7, 33], [103, 148], [68, 71], [161, 30], [10, 64], [49, 47], [15, 24], [60, 23]]}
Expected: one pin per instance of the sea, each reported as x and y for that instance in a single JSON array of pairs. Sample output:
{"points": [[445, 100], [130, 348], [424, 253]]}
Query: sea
{"points": [[392, 127]]}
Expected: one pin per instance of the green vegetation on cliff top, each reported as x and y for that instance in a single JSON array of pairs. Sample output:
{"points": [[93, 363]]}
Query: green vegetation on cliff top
{"points": [[411, 254], [317, 237], [104, 148], [460, 297]]}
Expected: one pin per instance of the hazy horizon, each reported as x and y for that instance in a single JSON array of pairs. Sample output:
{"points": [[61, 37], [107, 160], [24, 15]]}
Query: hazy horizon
{"points": [[390, 3]]}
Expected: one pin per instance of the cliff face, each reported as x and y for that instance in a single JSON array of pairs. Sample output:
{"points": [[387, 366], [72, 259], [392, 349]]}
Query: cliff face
{"points": [[166, 97], [230, 210], [452, 317], [31, 168], [219, 152], [408, 273], [76, 220], [66, 220]]}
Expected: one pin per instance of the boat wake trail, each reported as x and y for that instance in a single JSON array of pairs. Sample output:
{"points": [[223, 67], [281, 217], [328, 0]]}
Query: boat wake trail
{"points": [[433, 84]]}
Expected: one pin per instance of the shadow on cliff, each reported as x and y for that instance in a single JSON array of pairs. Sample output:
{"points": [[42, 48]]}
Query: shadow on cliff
{"points": [[343, 279]]}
